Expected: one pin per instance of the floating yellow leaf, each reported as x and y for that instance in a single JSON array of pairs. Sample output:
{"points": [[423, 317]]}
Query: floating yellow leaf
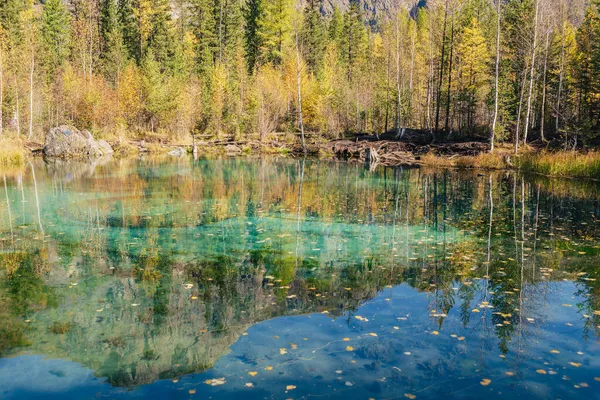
{"points": [[510, 373], [282, 351], [554, 351], [373, 334], [575, 364], [435, 333], [461, 338], [346, 339], [252, 373], [541, 371], [215, 382], [249, 384], [294, 346], [410, 396], [290, 387], [485, 382], [474, 310], [192, 391], [349, 348], [269, 368]]}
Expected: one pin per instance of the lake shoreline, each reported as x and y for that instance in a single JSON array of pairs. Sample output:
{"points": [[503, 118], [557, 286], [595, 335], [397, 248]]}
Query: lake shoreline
{"points": [[383, 150]]}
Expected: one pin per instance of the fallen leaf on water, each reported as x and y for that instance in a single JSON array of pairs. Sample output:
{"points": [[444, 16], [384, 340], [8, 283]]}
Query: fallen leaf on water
{"points": [[575, 364], [269, 368], [192, 391], [346, 339], [175, 380], [249, 384], [349, 348], [373, 334], [282, 351], [290, 387], [554, 351], [461, 338], [510, 373], [252, 373], [435, 333], [410, 396], [541, 371], [485, 382], [407, 353], [215, 382], [294, 346]]}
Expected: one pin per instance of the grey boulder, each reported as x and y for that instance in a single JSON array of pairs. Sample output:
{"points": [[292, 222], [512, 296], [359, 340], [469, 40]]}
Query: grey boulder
{"points": [[69, 142]]}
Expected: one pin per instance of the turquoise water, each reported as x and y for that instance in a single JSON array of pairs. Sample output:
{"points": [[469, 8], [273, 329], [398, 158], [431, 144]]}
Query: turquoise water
{"points": [[282, 278]]}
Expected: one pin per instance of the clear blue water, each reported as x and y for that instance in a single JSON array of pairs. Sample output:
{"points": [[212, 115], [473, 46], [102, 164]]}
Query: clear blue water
{"points": [[281, 278]]}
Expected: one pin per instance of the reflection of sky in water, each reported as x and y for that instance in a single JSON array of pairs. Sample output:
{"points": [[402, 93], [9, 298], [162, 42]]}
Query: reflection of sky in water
{"points": [[406, 356]]}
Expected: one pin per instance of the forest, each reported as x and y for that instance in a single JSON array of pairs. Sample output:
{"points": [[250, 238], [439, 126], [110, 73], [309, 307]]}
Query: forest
{"points": [[509, 71]]}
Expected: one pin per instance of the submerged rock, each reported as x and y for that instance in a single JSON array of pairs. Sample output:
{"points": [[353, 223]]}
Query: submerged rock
{"points": [[69, 142]]}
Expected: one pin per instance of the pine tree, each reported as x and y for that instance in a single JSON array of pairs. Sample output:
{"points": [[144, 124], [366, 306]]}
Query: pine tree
{"points": [[114, 52], [313, 35], [252, 12], [274, 30], [354, 40], [129, 29], [56, 34]]}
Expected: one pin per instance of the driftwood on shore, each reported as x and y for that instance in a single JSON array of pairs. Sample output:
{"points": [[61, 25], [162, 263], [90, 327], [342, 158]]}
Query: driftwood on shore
{"points": [[394, 152]]}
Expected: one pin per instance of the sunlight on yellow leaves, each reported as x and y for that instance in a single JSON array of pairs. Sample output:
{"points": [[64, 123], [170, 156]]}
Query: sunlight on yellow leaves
{"points": [[290, 387], [282, 351], [485, 382], [252, 373], [349, 348], [269, 368]]}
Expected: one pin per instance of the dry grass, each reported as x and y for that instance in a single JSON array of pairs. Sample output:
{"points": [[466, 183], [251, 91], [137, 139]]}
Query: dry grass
{"points": [[12, 152], [565, 164]]}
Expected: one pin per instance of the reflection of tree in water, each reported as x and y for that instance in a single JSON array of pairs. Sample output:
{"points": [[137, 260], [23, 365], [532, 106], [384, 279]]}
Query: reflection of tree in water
{"points": [[434, 231]]}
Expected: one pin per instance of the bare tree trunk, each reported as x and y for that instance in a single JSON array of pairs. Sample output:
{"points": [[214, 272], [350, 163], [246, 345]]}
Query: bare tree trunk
{"points": [[560, 78], [1, 89], [31, 97], [544, 87], [450, 59], [17, 107], [399, 100], [299, 79], [519, 110], [496, 83], [532, 71], [441, 77], [387, 94]]}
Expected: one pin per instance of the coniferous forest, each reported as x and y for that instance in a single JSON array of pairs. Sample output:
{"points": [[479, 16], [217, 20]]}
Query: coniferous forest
{"points": [[511, 70]]}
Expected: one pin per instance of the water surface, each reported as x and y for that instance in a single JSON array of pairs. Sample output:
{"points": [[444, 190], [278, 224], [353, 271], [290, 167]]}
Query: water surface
{"points": [[281, 278]]}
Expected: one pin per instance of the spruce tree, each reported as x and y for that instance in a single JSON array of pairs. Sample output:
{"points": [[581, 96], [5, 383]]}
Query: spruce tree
{"points": [[56, 33], [314, 35]]}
